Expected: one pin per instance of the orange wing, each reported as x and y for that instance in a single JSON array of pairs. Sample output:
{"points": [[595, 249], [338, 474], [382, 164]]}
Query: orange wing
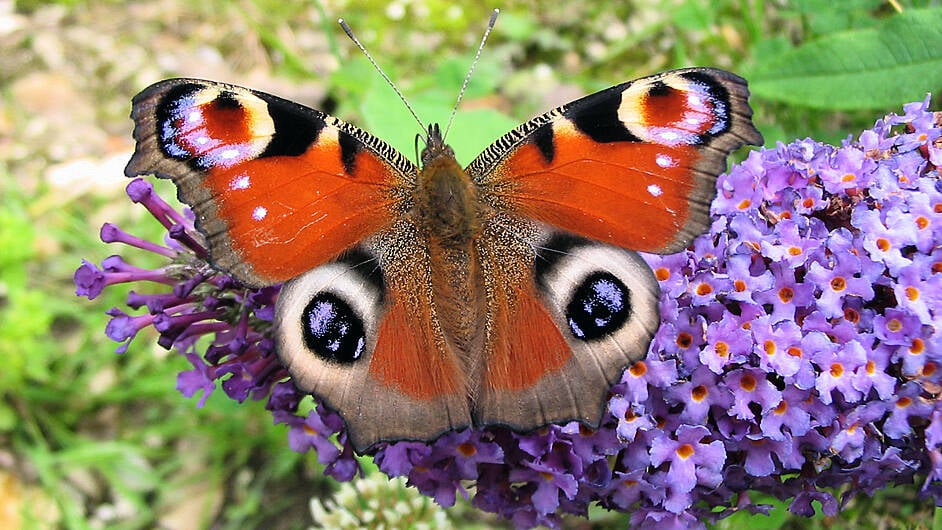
{"points": [[284, 193], [564, 317], [369, 343], [277, 188], [634, 165]]}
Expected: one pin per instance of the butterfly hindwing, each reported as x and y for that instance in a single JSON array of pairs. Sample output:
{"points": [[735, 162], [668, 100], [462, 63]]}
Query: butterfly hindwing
{"points": [[277, 188], [368, 342], [564, 319]]}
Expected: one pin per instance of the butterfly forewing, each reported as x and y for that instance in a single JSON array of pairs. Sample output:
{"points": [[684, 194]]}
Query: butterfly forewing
{"points": [[277, 187], [634, 165]]}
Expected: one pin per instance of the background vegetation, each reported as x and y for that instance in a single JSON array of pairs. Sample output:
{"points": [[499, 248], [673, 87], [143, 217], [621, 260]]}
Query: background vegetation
{"points": [[89, 439]]}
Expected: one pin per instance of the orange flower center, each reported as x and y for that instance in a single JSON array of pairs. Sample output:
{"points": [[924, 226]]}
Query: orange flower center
{"points": [[785, 294], [851, 315], [722, 349], [928, 369], [769, 347], [662, 274], [838, 284], [467, 449], [747, 382], [837, 370], [699, 393]]}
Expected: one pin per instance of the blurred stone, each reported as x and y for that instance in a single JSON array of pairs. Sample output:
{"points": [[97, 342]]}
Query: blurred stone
{"points": [[23, 506]]}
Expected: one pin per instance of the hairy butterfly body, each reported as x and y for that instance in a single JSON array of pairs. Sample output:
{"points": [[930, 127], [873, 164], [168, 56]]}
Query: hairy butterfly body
{"points": [[420, 299]]}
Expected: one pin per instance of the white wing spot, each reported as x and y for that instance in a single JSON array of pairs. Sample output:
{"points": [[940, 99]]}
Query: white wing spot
{"points": [[242, 182], [664, 161], [229, 154], [259, 213], [655, 190], [669, 137]]}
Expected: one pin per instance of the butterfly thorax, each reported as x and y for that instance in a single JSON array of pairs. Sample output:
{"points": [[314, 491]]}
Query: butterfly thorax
{"points": [[446, 199]]}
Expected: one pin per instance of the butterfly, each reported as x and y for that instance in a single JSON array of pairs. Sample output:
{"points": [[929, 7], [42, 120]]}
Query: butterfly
{"points": [[423, 298]]}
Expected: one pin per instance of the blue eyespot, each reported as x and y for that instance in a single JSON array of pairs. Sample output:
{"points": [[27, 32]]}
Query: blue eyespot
{"points": [[332, 330], [600, 305]]}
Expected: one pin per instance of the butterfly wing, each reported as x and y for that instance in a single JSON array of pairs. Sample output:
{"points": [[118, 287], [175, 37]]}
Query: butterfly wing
{"points": [[285, 193], [565, 316], [277, 188], [631, 167], [634, 165], [368, 341]]}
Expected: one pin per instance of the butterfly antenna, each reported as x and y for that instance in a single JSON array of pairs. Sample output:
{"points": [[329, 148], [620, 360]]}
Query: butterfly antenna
{"points": [[474, 62], [349, 32]]}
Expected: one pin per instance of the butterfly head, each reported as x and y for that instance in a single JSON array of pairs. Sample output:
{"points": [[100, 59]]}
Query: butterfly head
{"points": [[435, 146]]}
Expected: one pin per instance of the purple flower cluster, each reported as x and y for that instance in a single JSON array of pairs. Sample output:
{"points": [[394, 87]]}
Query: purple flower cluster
{"points": [[800, 350]]}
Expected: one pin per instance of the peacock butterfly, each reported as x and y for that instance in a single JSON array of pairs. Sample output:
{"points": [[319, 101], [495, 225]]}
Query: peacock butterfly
{"points": [[424, 298]]}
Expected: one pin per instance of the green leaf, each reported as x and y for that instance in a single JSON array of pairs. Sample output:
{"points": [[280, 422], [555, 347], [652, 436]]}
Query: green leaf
{"points": [[8, 418], [386, 117], [474, 130], [825, 16], [517, 27], [694, 16], [882, 67]]}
